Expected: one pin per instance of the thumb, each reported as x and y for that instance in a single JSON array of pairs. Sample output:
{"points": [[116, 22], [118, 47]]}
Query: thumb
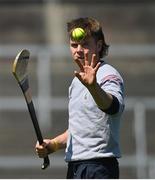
{"points": [[46, 142]]}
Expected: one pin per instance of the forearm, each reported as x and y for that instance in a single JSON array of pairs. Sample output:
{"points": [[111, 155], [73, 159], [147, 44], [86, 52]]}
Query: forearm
{"points": [[102, 99], [51, 145], [60, 141]]}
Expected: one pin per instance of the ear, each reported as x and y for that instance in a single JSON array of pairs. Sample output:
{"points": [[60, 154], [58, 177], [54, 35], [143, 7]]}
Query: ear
{"points": [[99, 45]]}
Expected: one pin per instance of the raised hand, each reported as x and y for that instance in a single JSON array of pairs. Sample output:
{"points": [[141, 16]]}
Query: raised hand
{"points": [[87, 73]]}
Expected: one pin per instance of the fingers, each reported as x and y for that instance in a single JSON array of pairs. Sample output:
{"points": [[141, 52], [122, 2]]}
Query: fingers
{"points": [[42, 150], [86, 61], [93, 61], [85, 67], [78, 62], [97, 66]]}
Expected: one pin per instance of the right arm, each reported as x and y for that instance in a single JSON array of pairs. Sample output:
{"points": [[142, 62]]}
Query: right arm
{"points": [[52, 145]]}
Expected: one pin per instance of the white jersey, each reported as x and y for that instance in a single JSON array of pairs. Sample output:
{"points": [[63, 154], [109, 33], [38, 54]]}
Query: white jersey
{"points": [[93, 133]]}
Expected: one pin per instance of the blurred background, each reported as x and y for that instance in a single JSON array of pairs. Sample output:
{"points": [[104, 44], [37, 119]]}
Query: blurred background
{"points": [[40, 26]]}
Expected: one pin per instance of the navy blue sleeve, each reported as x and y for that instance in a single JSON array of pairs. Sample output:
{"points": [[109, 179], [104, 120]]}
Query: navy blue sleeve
{"points": [[114, 108]]}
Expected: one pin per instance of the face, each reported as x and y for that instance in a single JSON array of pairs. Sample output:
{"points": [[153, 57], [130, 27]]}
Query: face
{"points": [[89, 45]]}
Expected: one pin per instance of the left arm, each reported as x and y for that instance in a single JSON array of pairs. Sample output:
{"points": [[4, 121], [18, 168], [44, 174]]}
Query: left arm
{"points": [[102, 99], [87, 76]]}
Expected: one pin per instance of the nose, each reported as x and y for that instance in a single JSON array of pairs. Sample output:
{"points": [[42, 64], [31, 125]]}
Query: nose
{"points": [[79, 48]]}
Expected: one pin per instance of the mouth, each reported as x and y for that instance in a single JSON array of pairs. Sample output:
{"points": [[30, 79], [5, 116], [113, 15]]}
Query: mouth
{"points": [[80, 57]]}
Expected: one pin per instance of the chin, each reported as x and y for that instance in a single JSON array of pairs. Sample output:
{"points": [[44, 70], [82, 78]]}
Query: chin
{"points": [[80, 59]]}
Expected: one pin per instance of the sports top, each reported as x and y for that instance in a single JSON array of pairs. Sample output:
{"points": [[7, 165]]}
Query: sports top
{"points": [[93, 133]]}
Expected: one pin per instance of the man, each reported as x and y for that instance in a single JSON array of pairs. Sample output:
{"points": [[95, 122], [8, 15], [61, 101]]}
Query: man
{"points": [[96, 103]]}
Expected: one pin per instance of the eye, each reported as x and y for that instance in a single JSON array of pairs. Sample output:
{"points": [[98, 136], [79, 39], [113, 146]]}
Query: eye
{"points": [[74, 45]]}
